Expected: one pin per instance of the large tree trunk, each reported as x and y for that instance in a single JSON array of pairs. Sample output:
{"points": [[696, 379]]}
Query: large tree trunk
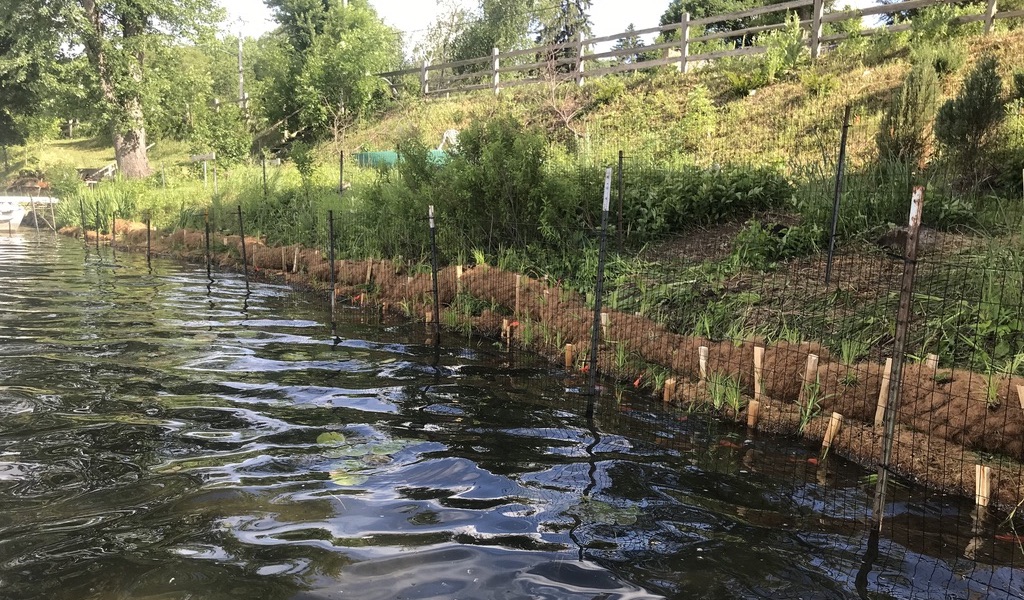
{"points": [[130, 143], [129, 129]]}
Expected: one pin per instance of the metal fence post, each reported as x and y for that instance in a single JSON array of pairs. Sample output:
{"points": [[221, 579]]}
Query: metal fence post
{"points": [[595, 335], [245, 260], [899, 353], [330, 235], [433, 271], [81, 213], [206, 239], [618, 229], [840, 172]]}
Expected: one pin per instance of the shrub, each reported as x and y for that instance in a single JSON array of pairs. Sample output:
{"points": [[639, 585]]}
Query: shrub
{"points": [[965, 125], [819, 83], [698, 124], [903, 134]]}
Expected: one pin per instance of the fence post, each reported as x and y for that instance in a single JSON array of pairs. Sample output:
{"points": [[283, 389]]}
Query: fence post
{"points": [[990, 15], [245, 260], [149, 240], [424, 86], [433, 271], [618, 230], [81, 212], [580, 79], [206, 232], [97, 226], [496, 82], [816, 29], [341, 173], [684, 42], [595, 335], [892, 408], [840, 171], [264, 177], [330, 253]]}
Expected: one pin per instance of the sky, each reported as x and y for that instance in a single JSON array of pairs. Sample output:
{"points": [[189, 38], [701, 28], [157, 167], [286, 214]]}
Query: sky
{"points": [[412, 17]]}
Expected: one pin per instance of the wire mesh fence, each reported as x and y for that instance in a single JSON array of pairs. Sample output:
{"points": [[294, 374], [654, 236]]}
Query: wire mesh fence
{"points": [[750, 285]]}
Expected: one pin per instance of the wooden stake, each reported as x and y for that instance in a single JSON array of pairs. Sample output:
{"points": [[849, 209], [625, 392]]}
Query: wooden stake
{"points": [[605, 318], [458, 278], [810, 376], [369, 272], [568, 356], [931, 362], [982, 485], [284, 260], [834, 424], [519, 281], [753, 408], [1020, 395], [883, 394], [758, 372], [670, 389], [295, 264], [504, 329], [702, 356]]}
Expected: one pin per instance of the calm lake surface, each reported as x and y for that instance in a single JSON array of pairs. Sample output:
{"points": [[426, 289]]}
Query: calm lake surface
{"points": [[165, 437]]}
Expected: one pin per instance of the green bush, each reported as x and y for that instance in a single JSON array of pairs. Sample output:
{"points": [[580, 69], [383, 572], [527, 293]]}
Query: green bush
{"points": [[665, 200], [965, 125], [903, 133], [761, 246]]}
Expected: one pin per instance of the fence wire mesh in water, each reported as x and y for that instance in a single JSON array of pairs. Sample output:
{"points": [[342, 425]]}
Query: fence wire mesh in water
{"points": [[702, 360]]}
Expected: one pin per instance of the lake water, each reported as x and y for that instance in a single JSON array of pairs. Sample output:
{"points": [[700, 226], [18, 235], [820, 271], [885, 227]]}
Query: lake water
{"points": [[163, 436]]}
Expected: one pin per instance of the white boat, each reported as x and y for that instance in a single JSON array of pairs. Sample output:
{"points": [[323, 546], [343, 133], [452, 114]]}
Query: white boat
{"points": [[13, 209]]}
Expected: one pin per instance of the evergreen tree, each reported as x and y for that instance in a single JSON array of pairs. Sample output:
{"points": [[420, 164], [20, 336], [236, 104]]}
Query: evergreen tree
{"points": [[630, 42]]}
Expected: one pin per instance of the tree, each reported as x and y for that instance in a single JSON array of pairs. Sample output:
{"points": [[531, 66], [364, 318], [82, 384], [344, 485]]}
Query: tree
{"points": [[967, 124], [115, 36], [903, 134], [568, 19], [630, 42], [326, 58], [504, 24], [700, 9]]}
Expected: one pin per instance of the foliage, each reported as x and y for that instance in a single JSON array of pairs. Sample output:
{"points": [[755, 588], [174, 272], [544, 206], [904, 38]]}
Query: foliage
{"points": [[761, 246], [698, 123], [326, 54], [965, 124], [904, 133]]}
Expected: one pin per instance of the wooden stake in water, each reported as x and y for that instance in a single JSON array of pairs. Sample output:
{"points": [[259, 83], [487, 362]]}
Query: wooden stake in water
{"points": [[149, 245], [810, 377], [758, 372], [702, 362], [834, 423], [982, 485], [568, 356], [97, 226], [670, 390], [883, 394]]}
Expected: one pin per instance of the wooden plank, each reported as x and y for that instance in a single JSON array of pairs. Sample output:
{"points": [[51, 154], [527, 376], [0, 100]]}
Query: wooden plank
{"points": [[868, 32], [740, 32], [744, 51], [1010, 14], [883, 394], [758, 372], [618, 36], [702, 357], [834, 424], [458, 63], [882, 9], [538, 49], [760, 10], [640, 66]]}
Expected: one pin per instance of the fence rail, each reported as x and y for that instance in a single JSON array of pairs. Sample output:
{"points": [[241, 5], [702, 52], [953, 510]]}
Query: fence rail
{"points": [[573, 61]]}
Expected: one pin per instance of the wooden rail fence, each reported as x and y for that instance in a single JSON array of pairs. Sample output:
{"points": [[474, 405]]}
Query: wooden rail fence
{"points": [[569, 61]]}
